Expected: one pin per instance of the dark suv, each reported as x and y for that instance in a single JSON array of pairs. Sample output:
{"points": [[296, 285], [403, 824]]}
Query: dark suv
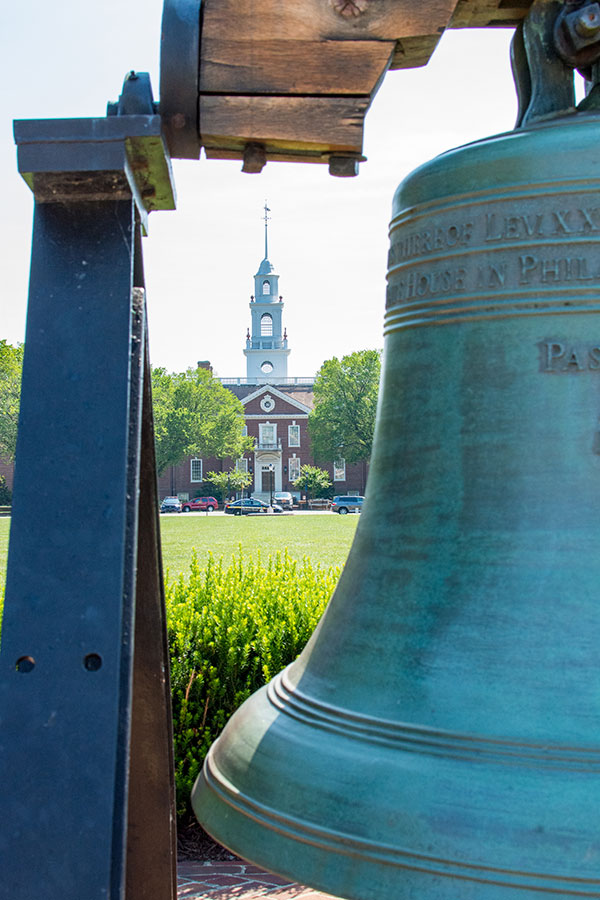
{"points": [[346, 504], [204, 503]]}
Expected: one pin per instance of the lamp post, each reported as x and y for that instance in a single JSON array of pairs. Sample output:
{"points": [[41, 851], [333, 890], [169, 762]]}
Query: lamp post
{"points": [[271, 479]]}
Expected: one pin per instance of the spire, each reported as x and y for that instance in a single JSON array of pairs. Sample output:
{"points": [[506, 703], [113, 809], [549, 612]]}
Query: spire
{"points": [[266, 349], [267, 217], [265, 267]]}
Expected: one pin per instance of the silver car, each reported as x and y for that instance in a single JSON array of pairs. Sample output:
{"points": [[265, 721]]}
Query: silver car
{"points": [[284, 499], [347, 504]]}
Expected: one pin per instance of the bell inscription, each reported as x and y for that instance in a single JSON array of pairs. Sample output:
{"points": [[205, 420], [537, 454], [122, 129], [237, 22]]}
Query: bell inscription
{"points": [[504, 248], [562, 357]]}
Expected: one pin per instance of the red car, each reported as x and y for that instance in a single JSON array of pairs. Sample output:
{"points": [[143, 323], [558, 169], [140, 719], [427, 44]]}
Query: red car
{"points": [[206, 504]]}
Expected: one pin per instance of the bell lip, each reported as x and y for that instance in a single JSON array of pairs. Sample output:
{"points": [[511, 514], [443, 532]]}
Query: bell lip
{"points": [[287, 838], [338, 853], [487, 164]]}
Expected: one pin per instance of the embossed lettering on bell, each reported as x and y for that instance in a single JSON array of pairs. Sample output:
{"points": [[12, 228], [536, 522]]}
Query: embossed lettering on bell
{"points": [[439, 738]]}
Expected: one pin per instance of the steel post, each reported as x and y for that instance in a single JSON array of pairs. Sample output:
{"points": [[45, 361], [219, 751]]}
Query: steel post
{"points": [[85, 736]]}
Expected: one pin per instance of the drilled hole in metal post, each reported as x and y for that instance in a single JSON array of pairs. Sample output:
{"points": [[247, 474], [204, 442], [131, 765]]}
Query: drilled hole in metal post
{"points": [[25, 664], [92, 662]]}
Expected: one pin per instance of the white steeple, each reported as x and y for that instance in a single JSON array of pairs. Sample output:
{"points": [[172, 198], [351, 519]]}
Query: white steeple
{"points": [[266, 342]]}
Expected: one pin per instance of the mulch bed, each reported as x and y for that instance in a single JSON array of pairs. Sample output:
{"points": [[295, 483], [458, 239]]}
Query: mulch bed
{"points": [[194, 843]]}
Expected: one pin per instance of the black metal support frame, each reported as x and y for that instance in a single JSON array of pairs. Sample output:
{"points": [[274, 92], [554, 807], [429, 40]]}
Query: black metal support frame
{"points": [[87, 804]]}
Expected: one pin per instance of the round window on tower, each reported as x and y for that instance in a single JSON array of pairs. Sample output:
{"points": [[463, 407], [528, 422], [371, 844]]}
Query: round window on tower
{"points": [[267, 367]]}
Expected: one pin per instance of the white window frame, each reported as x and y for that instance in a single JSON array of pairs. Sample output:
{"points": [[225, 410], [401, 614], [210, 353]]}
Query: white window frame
{"points": [[293, 429], [267, 428], [293, 468], [339, 469], [266, 287], [266, 325], [194, 470], [241, 465]]}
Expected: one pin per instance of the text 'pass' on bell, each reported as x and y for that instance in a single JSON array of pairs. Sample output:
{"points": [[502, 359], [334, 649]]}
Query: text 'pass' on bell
{"points": [[439, 737]]}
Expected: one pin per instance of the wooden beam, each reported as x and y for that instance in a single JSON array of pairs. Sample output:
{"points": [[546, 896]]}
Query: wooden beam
{"points": [[309, 20], [412, 52], [289, 127], [489, 13], [289, 80], [232, 66]]}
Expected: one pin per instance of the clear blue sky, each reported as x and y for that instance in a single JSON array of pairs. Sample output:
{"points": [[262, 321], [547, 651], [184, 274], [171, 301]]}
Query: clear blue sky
{"points": [[328, 237]]}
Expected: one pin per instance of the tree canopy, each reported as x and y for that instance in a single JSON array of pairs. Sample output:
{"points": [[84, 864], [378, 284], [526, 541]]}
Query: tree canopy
{"points": [[194, 415], [225, 482], [313, 480], [11, 365], [343, 420]]}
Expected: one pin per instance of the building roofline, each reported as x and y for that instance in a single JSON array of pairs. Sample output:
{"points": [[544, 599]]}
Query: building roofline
{"points": [[270, 388]]}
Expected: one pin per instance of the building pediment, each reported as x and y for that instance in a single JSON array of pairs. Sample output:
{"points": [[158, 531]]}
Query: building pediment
{"points": [[267, 400]]}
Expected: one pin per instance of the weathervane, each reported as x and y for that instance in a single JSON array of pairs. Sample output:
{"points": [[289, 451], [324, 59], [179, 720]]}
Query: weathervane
{"points": [[267, 218]]}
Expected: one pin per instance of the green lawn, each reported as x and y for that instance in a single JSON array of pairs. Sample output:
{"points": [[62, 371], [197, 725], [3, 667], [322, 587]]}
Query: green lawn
{"points": [[325, 539]]}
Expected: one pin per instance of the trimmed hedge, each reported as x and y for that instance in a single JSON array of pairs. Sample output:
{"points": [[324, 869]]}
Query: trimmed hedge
{"points": [[231, 629], [5, 493]]}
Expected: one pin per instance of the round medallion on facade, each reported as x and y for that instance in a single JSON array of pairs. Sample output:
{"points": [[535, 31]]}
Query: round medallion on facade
{"points": [[267, 404]]}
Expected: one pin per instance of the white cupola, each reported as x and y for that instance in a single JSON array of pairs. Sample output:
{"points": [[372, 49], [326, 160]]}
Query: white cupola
{"points": [[266, 342]]}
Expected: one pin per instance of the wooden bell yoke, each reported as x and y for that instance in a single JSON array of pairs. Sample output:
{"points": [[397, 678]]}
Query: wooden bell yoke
{"points": [[293, 81]]}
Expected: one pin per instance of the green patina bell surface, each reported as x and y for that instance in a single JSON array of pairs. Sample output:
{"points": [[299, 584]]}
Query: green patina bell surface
{"points": [[439, 738]]}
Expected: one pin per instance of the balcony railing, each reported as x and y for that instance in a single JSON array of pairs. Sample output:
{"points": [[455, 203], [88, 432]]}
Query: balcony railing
{"points": [[269, 379], [268, 445]]}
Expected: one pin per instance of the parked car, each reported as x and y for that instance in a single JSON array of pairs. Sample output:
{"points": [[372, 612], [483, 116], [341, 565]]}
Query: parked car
{"points": [[171, 504], [206, 504], [248, 507], [347, 504], [284, 499]]}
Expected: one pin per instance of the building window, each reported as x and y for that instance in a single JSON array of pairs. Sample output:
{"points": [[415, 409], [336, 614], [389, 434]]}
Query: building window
{"points": [[339, 470], [293, 435], [241, 465], [266, 325], [244, 431], [196, 470], [294, 468], [267, 404], [267, 367], [266, 287], [268, 433]]}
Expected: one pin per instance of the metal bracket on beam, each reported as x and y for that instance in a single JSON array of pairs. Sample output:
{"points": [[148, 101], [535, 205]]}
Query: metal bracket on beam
{"points": [[95, 159]]}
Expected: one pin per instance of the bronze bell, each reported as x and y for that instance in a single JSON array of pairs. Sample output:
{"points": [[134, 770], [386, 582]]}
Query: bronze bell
{"points": [[439, 737]]}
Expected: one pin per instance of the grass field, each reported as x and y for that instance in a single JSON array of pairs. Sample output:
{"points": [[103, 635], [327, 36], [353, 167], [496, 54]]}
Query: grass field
{"points": [[325, 539]]}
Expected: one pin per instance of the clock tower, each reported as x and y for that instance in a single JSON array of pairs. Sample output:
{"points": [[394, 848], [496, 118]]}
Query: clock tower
{"points": [[266, 341]]}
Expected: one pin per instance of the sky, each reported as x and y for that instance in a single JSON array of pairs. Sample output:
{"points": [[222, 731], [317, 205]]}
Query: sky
{"points": [[328, 237]]}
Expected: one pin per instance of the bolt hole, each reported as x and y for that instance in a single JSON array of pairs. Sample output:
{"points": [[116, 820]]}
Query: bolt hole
{"points": [[92, 662], [25, 664]]}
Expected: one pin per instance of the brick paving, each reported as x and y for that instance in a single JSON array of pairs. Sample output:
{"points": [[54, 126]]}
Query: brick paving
{"points": [[237, 880]]}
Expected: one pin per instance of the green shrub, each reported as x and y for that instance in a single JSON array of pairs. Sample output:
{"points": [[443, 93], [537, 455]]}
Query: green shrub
{"points": [[231, 629], [5, 493]]}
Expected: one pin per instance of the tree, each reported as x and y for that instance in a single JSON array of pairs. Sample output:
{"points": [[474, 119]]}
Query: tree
{"points": [[343, 420], [11, 365], [225, 482], [313, 480], [194, 415]]}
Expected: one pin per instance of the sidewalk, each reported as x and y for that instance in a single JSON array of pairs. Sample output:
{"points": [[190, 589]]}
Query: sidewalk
{"points": [[235, 880]]}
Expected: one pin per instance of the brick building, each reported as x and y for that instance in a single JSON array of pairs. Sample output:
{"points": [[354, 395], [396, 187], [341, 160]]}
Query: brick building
{"points": [[276, 407]]}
